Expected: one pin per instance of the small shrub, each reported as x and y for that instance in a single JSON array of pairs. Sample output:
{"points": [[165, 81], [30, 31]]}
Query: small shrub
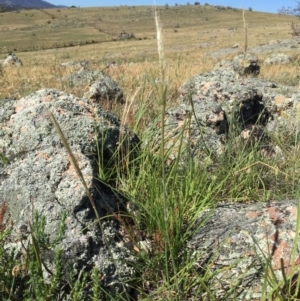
{"points": [[250, 9], [197, 3]]}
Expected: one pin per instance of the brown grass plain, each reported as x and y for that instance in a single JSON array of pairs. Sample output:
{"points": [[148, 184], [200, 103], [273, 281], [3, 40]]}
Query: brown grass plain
{"points": [[43, 39]]}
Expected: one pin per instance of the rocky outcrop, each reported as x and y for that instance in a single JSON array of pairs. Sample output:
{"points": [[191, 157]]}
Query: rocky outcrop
{"points": [[277, 58], [104, 88], [220, 104], [125, 36], [246, 64], [99, 86], [236, 241], [12, 60], [272, 47], [37, 176]]}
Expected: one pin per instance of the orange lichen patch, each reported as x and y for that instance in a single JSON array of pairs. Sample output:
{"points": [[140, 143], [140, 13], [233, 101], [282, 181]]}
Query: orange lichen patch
{"points": [[281, 100], [293, 211], [81, 102], [291, 267], [19, 106], [71, 170], [24, 129], [297, 261], [274, 215], [42, 155], [214, 118], [206, 87], [280, 250], [253, 214], [282, 103], [47, 98], [77, 187]]}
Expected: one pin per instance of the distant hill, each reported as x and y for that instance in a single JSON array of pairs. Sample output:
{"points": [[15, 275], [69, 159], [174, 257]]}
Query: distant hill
{"points": [[13, 4]]}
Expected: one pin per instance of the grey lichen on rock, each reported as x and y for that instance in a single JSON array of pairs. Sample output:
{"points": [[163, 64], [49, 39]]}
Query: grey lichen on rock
{"points": [[277, 58], [246, 64], [40, 177], [104, 88], [218, 104], [239, 241]]}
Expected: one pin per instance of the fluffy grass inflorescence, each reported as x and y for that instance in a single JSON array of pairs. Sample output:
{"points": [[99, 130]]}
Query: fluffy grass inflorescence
{"points": [[167, 199]]}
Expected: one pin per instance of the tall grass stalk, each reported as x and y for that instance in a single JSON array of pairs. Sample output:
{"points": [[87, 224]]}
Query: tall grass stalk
{"points": [[246, 34], [163, 99]]}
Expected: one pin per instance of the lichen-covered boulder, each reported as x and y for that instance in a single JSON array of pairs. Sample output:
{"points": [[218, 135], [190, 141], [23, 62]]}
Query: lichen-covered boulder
{"points": [[245, 64], [97, 85], [12, 60], [242, 243], [104, 88], [81, 77], [277, 58], [37, 175], [218, 104]]}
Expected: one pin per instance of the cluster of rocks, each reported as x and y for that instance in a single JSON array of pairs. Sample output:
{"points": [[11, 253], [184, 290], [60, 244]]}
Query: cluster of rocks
{"points": [[231, 101], [278, 58], [228, 101], [98, 85], [11, 60], [125, 36], [272, 47]]}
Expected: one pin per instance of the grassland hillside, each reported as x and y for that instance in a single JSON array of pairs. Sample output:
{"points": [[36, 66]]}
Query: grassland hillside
{"points": [[186, 28], [45, 38]]}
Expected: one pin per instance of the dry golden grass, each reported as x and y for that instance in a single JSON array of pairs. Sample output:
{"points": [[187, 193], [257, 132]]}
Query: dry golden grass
{"points": [[190, 33], [43, 29]]}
